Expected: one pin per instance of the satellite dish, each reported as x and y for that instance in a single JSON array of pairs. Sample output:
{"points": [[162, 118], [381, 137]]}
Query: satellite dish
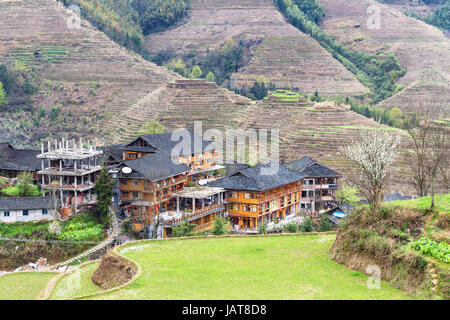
{"points": [[126, 170]]}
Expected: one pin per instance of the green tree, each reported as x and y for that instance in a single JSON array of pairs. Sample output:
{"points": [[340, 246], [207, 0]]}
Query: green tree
{"points": [[210, 77], [104, 191], [152, 127], [221, 226], [25, 184], [349, 195], [307, 225], [196, 72], [395, 114], [2, 95]]}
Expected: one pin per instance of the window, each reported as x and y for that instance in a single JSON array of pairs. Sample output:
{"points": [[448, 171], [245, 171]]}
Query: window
{"points": [[135, 194], [6, 213], [123, 181], [234, 195], [136, 182], [44, 211], [25, 212], [247, 196], [254, 208]]}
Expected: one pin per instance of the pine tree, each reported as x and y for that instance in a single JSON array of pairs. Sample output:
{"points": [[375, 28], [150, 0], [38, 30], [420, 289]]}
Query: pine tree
{"points": [[104, 190]]}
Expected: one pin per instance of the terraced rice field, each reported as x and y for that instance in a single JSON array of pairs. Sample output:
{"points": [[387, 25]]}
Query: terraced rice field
{"points": [[82, 72], [283, 54], [423, 50]]}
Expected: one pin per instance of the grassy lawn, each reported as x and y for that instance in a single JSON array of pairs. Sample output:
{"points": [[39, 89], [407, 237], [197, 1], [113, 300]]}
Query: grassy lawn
{"points": [[76, 284], [441, 201], [279, 267], [23, 286]]}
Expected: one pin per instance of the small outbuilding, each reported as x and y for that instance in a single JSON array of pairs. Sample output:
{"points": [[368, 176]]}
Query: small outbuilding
{"points": [[26, 209]]}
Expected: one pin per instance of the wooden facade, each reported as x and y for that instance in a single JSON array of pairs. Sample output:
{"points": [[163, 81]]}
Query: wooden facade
{"points": [[248, 209]]}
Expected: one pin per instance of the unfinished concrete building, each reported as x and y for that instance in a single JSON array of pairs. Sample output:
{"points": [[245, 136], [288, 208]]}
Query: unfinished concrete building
{"points": [[69, 170]]}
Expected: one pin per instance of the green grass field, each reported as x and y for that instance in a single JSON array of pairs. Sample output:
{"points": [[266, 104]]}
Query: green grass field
{"points": [[76, 284], [23, 286], [277, 267], [442, 203]]}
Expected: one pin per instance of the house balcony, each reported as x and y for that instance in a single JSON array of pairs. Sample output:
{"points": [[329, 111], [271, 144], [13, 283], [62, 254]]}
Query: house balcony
{"points": [[56, 171], [69, 187], [188, 216]]}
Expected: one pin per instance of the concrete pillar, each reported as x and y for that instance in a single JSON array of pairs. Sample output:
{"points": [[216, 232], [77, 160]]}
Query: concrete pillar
{"points": [[193, 205], [178, 204], [203, 203]]}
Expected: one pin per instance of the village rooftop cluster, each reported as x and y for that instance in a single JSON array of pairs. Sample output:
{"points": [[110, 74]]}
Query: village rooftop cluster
{"points": [[155, 191]]}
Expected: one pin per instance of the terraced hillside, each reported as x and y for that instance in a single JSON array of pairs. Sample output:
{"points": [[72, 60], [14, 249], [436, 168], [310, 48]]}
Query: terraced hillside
{"points": [[178, 105], [83, 74], [423, 50], [305, 129], [318, 130], [281, 53]]}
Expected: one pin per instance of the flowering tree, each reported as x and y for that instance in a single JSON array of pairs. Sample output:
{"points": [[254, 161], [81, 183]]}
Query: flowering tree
{"points": [[373, 152]]}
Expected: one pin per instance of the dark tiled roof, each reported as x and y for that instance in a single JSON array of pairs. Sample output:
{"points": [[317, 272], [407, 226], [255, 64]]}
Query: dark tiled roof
{"points": [[251, 179], [163, 142], [18, 159], [115, 151], [31, 203], [311, 168], [155, 167]]}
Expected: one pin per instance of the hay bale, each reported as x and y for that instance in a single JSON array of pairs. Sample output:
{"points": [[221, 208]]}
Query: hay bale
{"points": [[113, 271]]}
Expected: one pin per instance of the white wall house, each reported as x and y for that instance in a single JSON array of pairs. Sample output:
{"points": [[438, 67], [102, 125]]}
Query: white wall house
{"points": [[25, 209]]}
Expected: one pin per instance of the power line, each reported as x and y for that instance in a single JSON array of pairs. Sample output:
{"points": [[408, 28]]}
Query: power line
{"points": [[48, 241]]}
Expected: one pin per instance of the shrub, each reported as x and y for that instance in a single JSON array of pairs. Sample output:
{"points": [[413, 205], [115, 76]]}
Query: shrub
{"points": [[291, 227], [325, 224], [25, 184], [307, 225], [262, 228], [185, 229], [221, 226], [439, 250]]}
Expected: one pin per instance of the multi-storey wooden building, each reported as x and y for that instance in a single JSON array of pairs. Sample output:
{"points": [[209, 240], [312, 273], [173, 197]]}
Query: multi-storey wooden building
{"points": [[320, 184], [253, 198], [151, 173], [201, 162]]}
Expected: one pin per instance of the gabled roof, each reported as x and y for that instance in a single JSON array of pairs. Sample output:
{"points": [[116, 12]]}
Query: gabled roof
{"points": [[18, 159], [114, 151], [31, 203], [251, 179], [163, 142], [311, 168], [155, 167]]}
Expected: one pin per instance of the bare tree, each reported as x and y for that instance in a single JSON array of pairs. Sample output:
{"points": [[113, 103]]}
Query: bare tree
{"points": [[373, 152], [430, 136]]}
